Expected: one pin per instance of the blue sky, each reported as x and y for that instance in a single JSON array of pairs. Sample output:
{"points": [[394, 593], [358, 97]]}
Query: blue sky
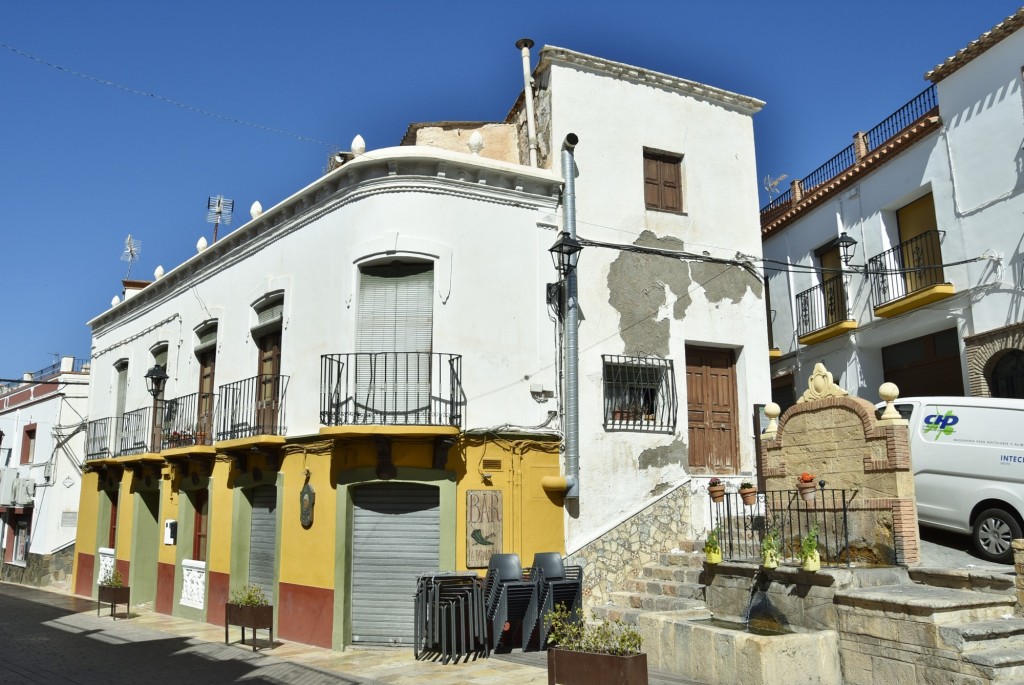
{"points": [[84, 164]]}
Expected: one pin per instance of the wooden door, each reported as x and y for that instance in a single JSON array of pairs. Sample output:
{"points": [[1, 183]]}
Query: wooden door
{"points": [[268, 383], [832, 286], [204, 407], [712, 411], [919, 244]]}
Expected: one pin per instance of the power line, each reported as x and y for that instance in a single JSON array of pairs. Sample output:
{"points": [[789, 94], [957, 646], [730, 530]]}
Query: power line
{"points": [[161, 98]]}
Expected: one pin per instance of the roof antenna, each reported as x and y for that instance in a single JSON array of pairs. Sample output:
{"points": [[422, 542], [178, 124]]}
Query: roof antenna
{"points": [[219, 210], [132, 250]]}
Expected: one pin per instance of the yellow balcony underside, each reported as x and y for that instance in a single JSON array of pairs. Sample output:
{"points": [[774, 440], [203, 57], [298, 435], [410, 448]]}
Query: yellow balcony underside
{"points": [[191, 450], [258, 441], [932, 293], [827, 333], [774, 353], [393, 431]]}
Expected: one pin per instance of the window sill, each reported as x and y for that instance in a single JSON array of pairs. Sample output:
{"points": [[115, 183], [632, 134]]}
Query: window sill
{"points": [[673, 212]]}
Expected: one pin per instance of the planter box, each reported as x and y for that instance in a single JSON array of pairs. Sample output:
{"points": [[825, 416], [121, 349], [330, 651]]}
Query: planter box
{"points": [[584, 668], [113, 596], [249, 617]]}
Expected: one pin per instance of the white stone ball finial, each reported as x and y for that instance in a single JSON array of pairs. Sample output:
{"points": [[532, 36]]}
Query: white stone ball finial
{"points": [[476, 143], [772, 411], [358, 146], [115, 301], [201, 244], [889, 392], [256, 209], [158, 273]]}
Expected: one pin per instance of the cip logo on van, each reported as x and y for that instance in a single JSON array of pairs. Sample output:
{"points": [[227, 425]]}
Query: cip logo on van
{"points": [[941, 424]]}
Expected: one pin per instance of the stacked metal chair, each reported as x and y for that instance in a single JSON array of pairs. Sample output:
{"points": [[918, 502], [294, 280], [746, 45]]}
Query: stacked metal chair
{"points": [[449, 617], [510, 596], [556, 584]]}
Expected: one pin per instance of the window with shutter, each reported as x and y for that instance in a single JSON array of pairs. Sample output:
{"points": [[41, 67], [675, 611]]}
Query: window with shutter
{"points": [[663, 181]]}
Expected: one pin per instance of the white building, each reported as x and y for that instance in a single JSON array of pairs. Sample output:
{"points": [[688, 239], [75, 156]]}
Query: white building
{"points": [[932, 197], [42, 420], [390, 331]]}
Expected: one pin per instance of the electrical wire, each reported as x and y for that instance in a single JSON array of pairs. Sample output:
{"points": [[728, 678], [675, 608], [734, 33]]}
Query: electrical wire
{"points": [[169, 101]]}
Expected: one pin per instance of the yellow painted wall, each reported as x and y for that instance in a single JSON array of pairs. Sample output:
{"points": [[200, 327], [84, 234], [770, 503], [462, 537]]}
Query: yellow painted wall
{"points": [[168, 510], [125, 518], [88, 515], [307, 555], [218, 550]]}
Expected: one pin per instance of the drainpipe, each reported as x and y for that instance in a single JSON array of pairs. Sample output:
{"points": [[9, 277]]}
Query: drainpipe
{"points": [[572, 400], [524, 45]]}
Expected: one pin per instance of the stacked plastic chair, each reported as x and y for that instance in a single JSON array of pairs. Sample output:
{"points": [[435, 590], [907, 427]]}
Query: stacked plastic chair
{"points": [[510, 597], [556, 584], [449, 617]]}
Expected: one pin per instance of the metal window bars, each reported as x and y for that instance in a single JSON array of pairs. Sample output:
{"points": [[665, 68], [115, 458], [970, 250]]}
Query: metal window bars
{"points": [[639, 394]]}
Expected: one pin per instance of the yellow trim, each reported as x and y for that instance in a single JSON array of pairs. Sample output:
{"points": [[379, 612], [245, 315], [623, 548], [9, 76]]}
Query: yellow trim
{"points": [[88, 517], [827, 333], [774, 353], [255, 441], [125, 518], [934, 293], [397, 431], [196, 450], [218, 526], [554, 483], [307, 554], [149, 457]]}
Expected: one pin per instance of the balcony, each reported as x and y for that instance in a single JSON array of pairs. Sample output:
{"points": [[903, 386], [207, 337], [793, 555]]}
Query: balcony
{"points": [[252, 408], [187, 421], [394, 389], [98, 436], [823, 312], [909, 275], [119, 436]]}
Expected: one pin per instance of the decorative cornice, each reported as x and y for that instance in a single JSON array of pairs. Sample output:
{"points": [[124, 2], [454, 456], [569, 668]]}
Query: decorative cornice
{"points": [[550, 54], [882, 154], [976, 48]]}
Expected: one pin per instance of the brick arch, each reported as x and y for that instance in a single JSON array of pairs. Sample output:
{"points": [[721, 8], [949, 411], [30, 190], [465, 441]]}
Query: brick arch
{"points": [[861, 407], [985, 350]]}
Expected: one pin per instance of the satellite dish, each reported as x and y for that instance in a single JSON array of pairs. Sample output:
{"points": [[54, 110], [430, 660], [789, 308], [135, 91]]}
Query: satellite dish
{"points": [[132, 250], [256, 209]]}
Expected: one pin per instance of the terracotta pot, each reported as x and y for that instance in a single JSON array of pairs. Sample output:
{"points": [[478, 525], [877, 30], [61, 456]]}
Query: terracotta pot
{"points": [[808, 491], [586, 668], [813, 562], [717, 492], [748, 495], [713, 557]]}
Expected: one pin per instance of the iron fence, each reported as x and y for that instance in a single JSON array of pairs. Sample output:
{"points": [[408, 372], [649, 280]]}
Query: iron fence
{"points": [[776, 207], [188, 420], [391, 388], [912, 265], [741, 527], [98, 438], [823, 305], [842, 161], [135, 436], [254, 406], [921, 104]]}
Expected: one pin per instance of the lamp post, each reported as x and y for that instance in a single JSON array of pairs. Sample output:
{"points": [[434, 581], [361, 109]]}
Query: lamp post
{"points": [[847, 245], [156, 377]]}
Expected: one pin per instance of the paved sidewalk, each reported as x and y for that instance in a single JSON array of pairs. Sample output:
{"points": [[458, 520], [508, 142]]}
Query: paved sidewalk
{"points": [[205, 656]]}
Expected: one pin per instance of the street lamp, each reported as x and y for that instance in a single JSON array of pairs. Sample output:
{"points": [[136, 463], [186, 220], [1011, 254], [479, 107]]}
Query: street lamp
{"points": [[156, 377], [565, 253], [847, 245]]}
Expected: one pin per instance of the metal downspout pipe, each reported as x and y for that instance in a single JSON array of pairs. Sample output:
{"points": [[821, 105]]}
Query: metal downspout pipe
{"points": [[524, 45], [572, 399]]}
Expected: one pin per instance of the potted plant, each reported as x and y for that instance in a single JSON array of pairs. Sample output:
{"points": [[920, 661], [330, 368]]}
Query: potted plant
{"points": [[771, 548], [748, 492], [716, 488], [113, 591], [593, 653], [809, 549], [806, 485], [712, 548], [249, 608]]}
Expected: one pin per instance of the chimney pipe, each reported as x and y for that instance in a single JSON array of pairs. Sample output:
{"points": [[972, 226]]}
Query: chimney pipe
{"points": [[524, 45]]}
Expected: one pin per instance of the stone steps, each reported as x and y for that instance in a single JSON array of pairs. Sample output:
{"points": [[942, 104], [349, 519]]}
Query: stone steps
{"points": [[679, 574], [983, 635], [688, 609], [671, 588], [981, 580], [1001, 665], [940, 606], [653, 602], [688, 559]]}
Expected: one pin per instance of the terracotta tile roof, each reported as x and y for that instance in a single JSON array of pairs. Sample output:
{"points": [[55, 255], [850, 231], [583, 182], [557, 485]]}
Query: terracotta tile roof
{"points": [[1000, 31]]}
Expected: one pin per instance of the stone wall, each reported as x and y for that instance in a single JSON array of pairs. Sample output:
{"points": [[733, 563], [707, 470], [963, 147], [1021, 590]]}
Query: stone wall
{"points": [[622, 552], [838, 439], [42, 570], [1018, 564]]}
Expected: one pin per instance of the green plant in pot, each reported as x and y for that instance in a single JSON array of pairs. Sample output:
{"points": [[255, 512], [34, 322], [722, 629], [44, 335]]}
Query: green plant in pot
{"points": [[113, 591], [771, 548], [249, 607], [748, 492], [712, 547], [809, 549], [582, 653]]}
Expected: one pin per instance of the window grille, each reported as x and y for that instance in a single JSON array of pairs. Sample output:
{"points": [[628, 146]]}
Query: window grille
{"points": [[639, 394]]}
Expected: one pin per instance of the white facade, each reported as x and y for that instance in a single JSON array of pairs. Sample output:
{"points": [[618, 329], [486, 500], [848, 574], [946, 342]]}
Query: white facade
{"points": [[967, 156], [484, 225], [41, 465]]}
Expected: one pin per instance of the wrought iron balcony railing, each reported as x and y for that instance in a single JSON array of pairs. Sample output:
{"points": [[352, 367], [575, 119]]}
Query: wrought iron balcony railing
{"points": [[391, 388], [99, 435], [187, 421], [911, 266], [251, 407], [135, 436], [5, 456], [823, 305]]}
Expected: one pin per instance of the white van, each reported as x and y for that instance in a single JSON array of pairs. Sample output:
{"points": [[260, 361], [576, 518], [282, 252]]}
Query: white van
{"points": [[967, 455]]}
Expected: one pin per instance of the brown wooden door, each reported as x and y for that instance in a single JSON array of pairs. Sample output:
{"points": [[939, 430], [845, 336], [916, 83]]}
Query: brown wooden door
{"points": [[832, 286], [204, 409], [919, 244], [268, 383], [712, 410]]}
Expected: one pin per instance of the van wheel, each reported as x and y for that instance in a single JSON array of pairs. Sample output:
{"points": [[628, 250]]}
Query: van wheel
{"points": [[994, 532]]}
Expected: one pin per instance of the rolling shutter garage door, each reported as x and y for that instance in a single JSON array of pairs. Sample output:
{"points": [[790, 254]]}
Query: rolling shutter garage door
{"points": [[395, 538], [263, 538]]}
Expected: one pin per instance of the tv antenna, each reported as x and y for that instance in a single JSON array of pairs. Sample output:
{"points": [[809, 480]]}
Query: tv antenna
{"points": [[772, 184], [219, 210], [132, 250]]}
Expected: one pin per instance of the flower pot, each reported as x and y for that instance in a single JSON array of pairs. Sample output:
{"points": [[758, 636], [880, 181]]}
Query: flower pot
{"points": [[807, 490], [714, 557], [587, 668], [813, 562], [249, 617], [770, 560], [113, 596], [717, 492], [748, 495]]}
